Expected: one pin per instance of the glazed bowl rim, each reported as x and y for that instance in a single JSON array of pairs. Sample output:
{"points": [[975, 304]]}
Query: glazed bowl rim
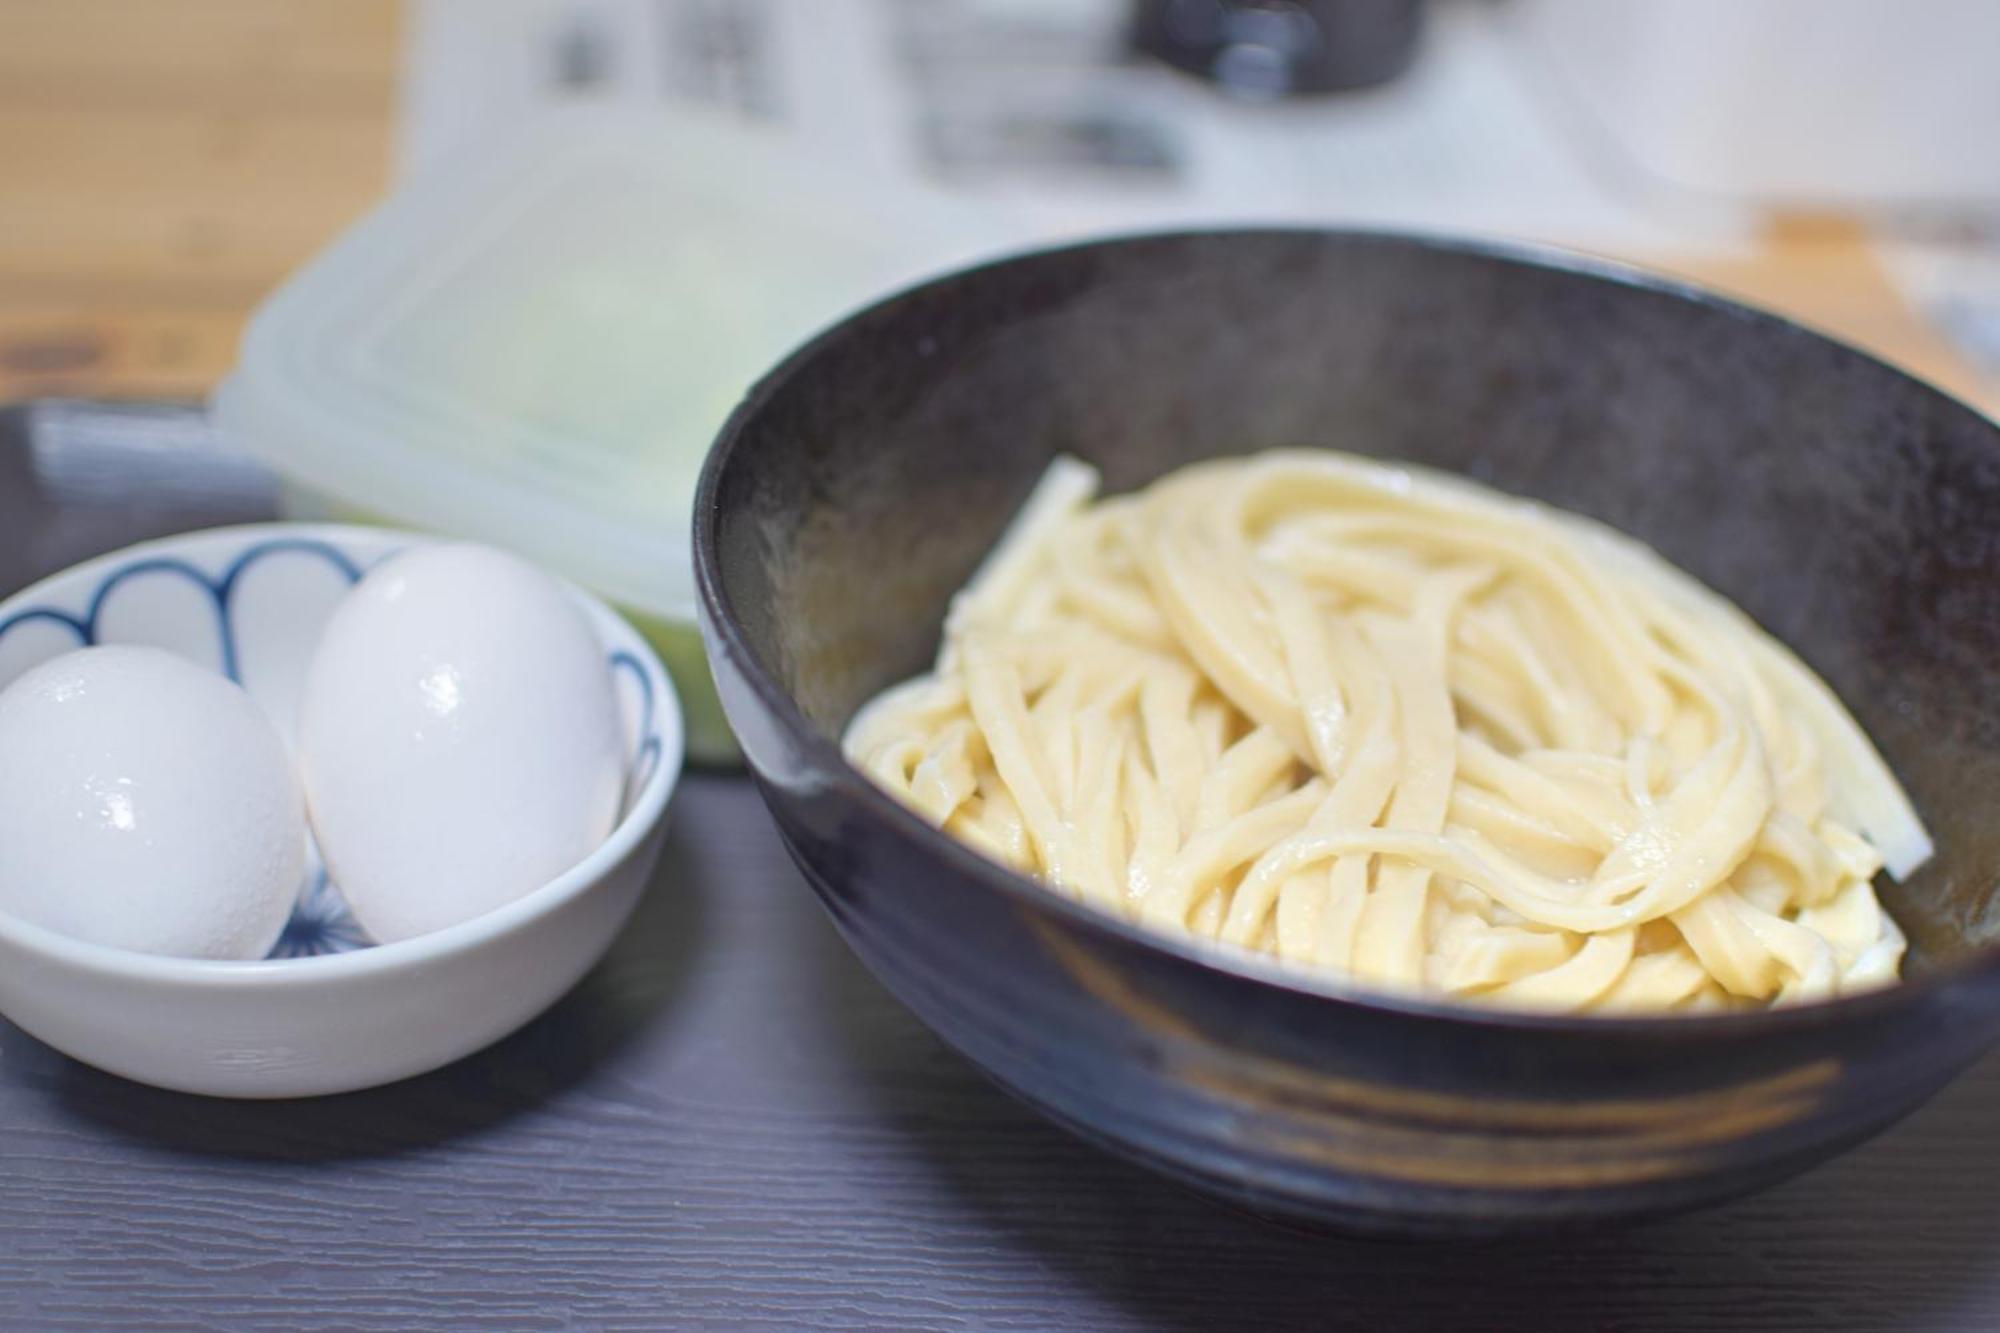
{"points": [[642, 815], [829, 764]]}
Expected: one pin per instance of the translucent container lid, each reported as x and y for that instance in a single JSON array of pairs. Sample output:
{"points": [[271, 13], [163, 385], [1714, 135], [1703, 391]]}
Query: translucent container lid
{"points": [[535, 345]]}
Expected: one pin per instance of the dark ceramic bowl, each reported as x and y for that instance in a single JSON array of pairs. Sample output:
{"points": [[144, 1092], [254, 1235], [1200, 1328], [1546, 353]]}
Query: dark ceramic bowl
{"points": [[1851, 509]]}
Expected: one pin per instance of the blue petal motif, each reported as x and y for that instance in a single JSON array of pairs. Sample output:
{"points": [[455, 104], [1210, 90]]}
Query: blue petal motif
{"points": [[320, 924], [219, 589], [647, 758]]}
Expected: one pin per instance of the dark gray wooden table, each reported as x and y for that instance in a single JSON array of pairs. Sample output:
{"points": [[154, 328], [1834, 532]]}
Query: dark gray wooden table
{"points": [[728, 1123]]}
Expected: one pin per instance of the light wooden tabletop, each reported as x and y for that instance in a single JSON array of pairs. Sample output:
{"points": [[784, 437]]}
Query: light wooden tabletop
{"points": [[167, 164], [162, 166]]}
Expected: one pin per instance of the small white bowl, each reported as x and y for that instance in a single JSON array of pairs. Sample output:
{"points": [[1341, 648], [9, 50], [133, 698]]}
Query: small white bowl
{"points": [[329, 1012]]}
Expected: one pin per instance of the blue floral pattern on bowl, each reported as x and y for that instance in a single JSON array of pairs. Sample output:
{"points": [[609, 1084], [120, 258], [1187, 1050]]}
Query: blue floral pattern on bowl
{"points": [[320, 922], [140, 593]]}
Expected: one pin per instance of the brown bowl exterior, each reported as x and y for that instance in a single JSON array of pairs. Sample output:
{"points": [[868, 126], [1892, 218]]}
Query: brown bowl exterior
{"points": [[1851, 509]]}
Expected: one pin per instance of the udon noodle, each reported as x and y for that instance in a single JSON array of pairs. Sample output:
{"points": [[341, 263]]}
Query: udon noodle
{"points": [[1401, 729]]}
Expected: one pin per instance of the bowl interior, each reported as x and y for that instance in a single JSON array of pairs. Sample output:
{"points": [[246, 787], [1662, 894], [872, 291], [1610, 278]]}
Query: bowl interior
{"points": [[250, 603], [1852, 510]]}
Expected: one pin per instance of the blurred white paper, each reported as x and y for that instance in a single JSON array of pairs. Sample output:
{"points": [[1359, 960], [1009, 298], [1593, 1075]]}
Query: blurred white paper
{"points": [[1033, 108]]}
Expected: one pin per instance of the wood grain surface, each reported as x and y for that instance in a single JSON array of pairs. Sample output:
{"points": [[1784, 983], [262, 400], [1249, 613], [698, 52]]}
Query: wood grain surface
{"points": [[167, 164], [729, 1124], [1827, 273], [163, 164]]}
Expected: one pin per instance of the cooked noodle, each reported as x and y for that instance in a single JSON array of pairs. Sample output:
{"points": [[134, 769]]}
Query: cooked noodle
{"points": [[1398, 728]]}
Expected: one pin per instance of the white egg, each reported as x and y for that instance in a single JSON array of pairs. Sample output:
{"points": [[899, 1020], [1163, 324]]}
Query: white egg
{"points": [[459, 738], [146, 803]]}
